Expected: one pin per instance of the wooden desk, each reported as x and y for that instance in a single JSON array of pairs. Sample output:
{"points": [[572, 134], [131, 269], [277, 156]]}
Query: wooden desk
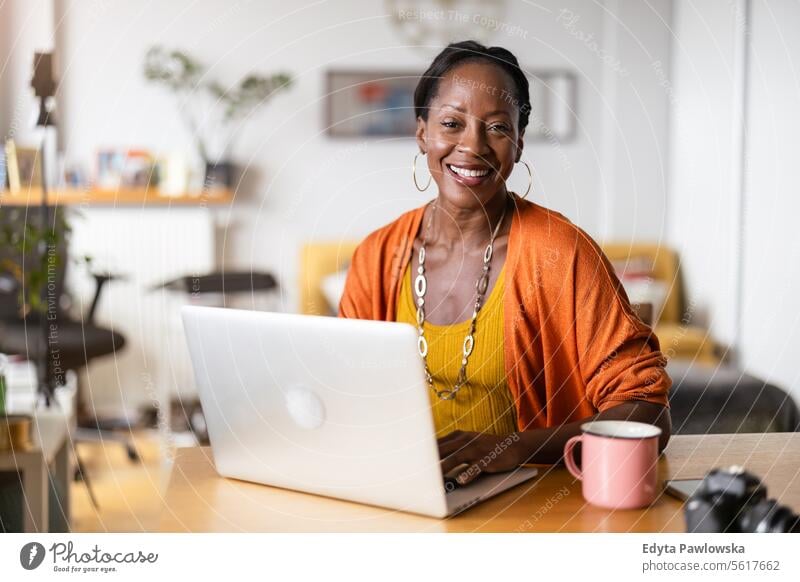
{"points": [[199, 500]]}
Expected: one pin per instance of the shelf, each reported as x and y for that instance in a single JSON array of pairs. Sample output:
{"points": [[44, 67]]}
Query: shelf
{"points": [[117, 197]]}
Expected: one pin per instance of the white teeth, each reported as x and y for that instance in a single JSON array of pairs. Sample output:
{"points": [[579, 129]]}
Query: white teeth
{"points": [[469, 173]]}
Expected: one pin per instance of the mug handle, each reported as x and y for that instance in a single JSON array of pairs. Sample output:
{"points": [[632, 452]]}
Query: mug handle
{"points": [[569, 460]]}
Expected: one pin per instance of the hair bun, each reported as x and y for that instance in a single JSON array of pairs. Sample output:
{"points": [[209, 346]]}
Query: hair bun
{"points": [[459, 53]]}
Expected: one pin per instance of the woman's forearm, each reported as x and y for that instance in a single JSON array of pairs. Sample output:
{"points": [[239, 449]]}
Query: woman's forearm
{"points": [[546, 445]]}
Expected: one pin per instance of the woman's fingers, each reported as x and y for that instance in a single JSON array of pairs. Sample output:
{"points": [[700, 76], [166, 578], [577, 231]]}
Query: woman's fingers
{"points": [[454, 453], [463, 473], [468, 475], [452, 461], [474, 450]]}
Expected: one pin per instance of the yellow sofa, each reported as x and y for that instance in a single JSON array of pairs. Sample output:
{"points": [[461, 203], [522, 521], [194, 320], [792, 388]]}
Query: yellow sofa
{"points": [[317, 261], [678, 337]]}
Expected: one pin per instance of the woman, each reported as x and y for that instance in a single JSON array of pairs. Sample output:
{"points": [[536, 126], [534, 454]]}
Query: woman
{"points": [[524, 329]]}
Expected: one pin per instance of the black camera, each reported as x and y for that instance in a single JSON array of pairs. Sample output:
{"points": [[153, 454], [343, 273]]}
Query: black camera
{"points": [[734, 501]]}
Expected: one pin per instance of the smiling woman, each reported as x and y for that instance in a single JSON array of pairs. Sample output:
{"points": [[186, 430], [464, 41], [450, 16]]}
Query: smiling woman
{"points": [[523, 328]]}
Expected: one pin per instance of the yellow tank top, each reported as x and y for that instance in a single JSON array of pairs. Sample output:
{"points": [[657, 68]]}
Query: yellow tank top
{"points": [[484, 403]]}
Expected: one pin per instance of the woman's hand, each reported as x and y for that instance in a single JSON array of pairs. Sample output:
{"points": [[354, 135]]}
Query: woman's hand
{"points": [[479, 452], [484, 453]]}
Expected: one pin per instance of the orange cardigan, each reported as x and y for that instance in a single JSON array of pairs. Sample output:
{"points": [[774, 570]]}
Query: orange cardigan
{"points": [[573, 346]]}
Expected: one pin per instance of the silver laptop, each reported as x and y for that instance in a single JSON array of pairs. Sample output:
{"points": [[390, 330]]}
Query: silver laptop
{"points": [[335, 407]]}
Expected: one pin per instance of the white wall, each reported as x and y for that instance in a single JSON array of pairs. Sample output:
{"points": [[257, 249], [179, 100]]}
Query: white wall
{"points": [[704, 192], [704, 152], [770, 340], [637, 114]]}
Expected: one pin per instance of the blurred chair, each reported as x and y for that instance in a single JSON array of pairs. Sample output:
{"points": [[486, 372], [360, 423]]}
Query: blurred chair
{"points": [[78, 340], [322, 271], [649, 265], [221, 283], [721, 399]]}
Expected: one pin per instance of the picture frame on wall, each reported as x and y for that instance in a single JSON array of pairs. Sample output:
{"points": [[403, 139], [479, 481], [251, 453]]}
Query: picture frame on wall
{"points": [[370, 103], [554, 105], [23, 167], [30, 168], [379, 104]]}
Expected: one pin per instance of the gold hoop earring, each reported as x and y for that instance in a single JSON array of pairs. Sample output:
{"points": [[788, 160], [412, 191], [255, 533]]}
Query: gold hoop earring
{"points": [[530, 179], [414, 174]]}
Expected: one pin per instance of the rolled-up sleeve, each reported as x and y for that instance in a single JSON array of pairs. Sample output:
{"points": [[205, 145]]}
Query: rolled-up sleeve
{"points": [[619, 355]]}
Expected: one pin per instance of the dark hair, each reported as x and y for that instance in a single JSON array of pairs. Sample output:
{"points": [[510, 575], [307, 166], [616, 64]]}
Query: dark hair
{"points": [[459, 53]]}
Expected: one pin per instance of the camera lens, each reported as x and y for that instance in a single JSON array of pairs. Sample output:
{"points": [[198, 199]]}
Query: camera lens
{"points": [[734, 501], [767, 516]]}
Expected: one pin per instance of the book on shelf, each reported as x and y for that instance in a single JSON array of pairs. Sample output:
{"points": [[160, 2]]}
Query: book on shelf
{"points": [[12, 167]]}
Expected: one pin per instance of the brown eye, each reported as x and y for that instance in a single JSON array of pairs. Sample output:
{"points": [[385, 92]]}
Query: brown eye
{"points": [[449, 124]]}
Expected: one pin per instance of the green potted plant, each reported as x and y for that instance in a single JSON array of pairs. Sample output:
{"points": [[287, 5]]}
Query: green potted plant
{"points": [[222, 110], [28, 249]]}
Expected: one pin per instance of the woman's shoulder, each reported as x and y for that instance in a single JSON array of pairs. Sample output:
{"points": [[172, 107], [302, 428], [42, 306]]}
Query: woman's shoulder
{"points": [[554, 254], [548, 232]]}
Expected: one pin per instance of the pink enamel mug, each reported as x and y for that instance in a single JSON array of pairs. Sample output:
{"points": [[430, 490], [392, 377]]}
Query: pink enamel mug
{"points": [[619, 463]]}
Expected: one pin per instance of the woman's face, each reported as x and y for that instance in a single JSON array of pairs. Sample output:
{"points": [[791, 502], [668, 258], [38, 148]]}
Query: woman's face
{"points": [[471, 136]]}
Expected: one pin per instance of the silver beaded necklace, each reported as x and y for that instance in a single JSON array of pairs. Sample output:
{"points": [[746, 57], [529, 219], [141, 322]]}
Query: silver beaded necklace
{"points": [[421, 287]]}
